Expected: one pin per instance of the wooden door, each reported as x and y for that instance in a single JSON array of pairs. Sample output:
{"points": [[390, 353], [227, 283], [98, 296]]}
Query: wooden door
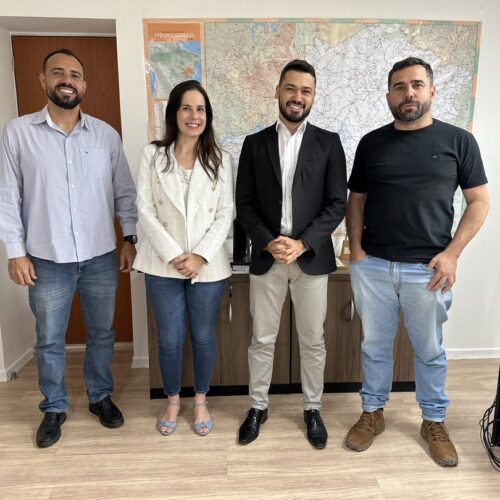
{"points": [[98, 55]]}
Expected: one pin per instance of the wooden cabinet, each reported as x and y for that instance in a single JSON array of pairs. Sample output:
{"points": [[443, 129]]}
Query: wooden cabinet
{"points": [[343, 335], [234, 332]]}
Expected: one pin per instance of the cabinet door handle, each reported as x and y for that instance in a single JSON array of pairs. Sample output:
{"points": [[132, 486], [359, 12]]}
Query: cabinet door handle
{"points": [[350, 311], [230, 303]]}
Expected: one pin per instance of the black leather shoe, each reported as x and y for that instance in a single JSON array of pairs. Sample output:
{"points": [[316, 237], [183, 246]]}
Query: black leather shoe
{"points": [[316, 431], [249, 430], [49, 431], [108, 413]]}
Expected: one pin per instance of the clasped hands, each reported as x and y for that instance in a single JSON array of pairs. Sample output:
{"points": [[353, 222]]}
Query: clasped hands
{"points": [[285, 250], [188, 264]]}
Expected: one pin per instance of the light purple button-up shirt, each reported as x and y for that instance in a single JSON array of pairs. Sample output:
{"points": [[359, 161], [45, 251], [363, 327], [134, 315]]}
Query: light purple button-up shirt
{"points": [[59, 193]]}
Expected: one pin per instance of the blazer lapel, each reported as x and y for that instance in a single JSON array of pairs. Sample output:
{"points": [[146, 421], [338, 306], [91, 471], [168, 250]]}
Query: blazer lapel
{"points": [[199, 181], [170, 182], [306, 150], [274, 151]]}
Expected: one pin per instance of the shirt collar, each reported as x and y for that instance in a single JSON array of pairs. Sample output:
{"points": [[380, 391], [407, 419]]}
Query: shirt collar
{"points": [[43, 116], [281, 126]]}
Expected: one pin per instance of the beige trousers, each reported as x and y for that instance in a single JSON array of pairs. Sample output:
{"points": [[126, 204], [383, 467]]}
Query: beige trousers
{"points": [[309, 297]]}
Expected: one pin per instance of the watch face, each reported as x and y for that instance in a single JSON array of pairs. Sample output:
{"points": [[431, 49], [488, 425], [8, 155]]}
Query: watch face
{"points": [[131, 239]]}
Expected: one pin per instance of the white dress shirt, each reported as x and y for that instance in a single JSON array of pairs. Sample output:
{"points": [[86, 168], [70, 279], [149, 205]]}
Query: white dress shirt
{"points": [[289, 147]]}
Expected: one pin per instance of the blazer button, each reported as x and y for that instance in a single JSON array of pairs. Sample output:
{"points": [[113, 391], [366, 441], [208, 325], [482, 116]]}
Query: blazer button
{"points": [[213, 188], [161, 259], [160, 202], [210, 209], [157, 179], [165, 224]]}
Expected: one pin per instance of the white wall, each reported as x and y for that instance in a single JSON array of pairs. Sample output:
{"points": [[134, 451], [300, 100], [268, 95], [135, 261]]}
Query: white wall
{"points": [[16, 323], [473, 328]]}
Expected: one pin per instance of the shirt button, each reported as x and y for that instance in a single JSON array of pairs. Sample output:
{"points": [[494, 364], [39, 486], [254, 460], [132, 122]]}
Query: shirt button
{"points": [[161, 259], [160, 202], [213, 188], [210, 209]]}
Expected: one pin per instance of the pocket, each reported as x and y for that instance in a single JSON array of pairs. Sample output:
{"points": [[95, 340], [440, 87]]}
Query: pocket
{"points": [[424, 267], [96, 162], [359, 261]]}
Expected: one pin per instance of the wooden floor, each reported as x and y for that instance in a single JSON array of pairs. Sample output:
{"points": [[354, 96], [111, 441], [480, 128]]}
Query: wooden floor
{"points": [[134, 461]]}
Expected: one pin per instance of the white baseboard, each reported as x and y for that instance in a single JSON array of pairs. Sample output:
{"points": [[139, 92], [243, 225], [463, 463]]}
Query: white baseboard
{"points": [[473, 353], [140, 362], [6, 375]]}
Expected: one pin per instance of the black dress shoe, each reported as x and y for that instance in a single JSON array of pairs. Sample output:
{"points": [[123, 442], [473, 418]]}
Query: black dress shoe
{"points": [[108, 413], [316, 431], [49, 431], [249, 430]]}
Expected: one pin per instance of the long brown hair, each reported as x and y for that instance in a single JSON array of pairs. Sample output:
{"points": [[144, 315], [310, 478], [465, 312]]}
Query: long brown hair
{"points": [[209, 153]]}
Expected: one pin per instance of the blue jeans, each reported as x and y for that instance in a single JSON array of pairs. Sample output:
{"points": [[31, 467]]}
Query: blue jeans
{"points": [[50, 300], [170, 298], [381, 290]]}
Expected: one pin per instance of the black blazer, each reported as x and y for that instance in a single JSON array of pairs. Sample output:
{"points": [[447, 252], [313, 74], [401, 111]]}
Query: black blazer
{"points": [[319, 192]]}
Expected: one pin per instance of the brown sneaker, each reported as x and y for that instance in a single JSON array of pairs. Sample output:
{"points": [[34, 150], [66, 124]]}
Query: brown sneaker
{"points": [[440, 446], [363, 432]]}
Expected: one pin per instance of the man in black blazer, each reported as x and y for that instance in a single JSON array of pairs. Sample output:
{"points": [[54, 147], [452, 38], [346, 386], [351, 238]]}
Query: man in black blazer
{"points": [[290, 196]]}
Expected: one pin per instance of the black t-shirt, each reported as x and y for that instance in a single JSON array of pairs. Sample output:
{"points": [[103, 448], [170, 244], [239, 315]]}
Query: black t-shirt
{"points": [[410, 178]]}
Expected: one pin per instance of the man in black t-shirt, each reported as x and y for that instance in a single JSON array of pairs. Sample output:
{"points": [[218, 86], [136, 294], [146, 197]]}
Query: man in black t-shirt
{"points": [[403, 257]]}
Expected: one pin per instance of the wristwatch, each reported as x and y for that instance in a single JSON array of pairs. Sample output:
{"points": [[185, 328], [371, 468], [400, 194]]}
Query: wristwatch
{"points": [[131, 238], [306, 245]]}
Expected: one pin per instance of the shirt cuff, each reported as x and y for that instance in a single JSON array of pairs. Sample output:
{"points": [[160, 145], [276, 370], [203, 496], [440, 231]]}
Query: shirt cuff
{"points": [[16, 249], [129, 228]]}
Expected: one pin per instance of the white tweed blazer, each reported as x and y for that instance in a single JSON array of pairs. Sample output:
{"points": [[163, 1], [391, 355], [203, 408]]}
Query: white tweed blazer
{"points": [[170, 228]]}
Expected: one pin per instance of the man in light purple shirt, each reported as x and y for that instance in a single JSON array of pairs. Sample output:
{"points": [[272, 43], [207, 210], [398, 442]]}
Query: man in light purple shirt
{"points": [[63, 177]]}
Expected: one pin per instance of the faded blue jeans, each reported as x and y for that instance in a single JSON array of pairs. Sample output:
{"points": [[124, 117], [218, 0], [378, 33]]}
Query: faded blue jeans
{"points": [[50, 300], [381, 290], [170, 298]]}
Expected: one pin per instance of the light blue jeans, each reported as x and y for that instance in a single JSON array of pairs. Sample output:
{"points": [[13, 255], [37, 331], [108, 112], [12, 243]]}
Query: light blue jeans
{"points": [[170, 299], [381, 290], [50, 300]]}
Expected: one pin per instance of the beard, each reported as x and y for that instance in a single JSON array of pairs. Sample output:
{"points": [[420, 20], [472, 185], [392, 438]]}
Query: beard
{"points": [[293, 117], [421, 108], [66, 102]]}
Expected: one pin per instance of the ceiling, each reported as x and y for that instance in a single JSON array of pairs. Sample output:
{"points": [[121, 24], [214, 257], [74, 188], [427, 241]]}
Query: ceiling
{"points": [[59, 25]]}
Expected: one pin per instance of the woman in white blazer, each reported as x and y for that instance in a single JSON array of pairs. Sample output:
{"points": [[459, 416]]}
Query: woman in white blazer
{"points": [[185, 202]]}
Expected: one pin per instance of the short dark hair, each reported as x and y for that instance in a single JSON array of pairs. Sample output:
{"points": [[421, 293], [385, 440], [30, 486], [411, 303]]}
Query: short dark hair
{"points": [[298, 65], [407, 63], [64, 51]]}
